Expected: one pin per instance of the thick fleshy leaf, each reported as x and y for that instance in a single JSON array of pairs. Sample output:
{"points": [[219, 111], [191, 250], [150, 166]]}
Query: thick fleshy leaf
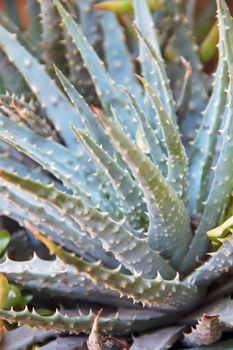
{"points": [[157, 76], [118, 58], [164, 223], [161, 339], [66, 343], [106, 88], [204, 148], [187, 48], [156, 152], [131, 251], [73, 170], [121, 323], [59, 111], [222, 184], [23, 337], [55, 225], [170, 295], [177, 162], [123, 183], [85, 112], [220, 262], [52, 35]]}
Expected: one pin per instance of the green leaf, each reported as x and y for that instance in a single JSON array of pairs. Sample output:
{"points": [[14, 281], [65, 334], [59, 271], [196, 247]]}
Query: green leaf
{"points": [[168, 217], [5, 238], [117, 55], [14, 297], [157, 78], [106, 88], [165, 294], [132, 197], [204, 148], [177, 161], [52, 35], [126, 5], [4, 291], [220, 262], [186, 45], [222, 183], [114, 236], [221, 231], [155, 151], [85, 112], [57, 107], [121, 323]]}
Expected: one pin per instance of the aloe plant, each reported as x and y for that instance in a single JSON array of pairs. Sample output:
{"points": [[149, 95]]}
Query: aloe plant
{"points": [[113, 189]]}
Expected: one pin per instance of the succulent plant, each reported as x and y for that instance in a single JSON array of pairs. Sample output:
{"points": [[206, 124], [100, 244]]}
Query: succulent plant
{"points": [[113, 190]]}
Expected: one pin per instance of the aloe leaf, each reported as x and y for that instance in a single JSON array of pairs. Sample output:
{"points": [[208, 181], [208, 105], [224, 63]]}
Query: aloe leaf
{"points": [[48, 273], [34, 29], [159, 195], [156, 152], [70, 168], [13, 210], [152, 66], [121, 180], [157, 77], [89, 21], [52, 35], [222, 183], [187, 49], [52, 224], [219, 262], [67, 343], [117, 56], [10, 207], [52, 219], [23, 337], [121, 323], [106, 88], [11, 80], [177, 161], [160, 339], [85, 112], [8, 162], [165, 294], [113, 235], [59, 111], [23, 113], [57, 279], [203, 150]]}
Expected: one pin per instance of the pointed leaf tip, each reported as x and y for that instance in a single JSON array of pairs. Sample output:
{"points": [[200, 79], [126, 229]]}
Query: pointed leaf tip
{"points": [[126, 5]]}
